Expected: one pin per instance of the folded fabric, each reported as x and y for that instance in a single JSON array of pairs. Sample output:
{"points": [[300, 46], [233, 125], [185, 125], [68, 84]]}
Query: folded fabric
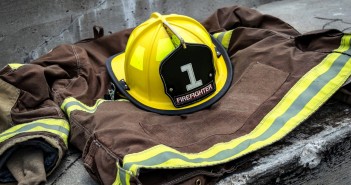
{"points": [[27, 166]]}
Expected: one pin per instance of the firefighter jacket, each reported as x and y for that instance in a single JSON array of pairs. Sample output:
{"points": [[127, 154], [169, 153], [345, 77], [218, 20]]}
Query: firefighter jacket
{"points": [[280, 78]]}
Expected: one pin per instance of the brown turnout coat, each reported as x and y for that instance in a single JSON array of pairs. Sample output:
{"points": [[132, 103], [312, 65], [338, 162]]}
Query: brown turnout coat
{"points": [[58, 99]]}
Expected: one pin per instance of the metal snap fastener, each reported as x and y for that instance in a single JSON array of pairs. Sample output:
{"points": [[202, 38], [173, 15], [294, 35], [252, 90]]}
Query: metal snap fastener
{"points": [[198, 182]]}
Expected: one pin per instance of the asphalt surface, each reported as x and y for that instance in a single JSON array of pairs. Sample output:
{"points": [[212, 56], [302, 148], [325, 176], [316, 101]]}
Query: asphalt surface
{"points": [[304, 15]]}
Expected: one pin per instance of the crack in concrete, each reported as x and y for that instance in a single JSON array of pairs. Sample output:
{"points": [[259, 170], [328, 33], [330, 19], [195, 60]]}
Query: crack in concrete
{"points": [[65, 170], [331, 20]]}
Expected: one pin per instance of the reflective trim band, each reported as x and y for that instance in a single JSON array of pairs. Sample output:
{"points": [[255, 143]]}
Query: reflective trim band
{"points": [[58, 127], [14, 66], [72, 104], [122, 176], [224, 38], [304, 98]]}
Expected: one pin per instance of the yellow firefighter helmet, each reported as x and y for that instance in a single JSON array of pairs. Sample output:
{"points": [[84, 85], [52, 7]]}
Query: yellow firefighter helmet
{"points": [[171, 65]]}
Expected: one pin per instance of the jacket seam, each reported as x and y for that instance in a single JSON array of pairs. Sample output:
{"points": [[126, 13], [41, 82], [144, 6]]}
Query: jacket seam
{"points": [[75, 122]]}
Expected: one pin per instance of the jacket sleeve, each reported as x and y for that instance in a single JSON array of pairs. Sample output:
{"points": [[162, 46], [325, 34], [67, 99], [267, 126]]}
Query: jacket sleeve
{"points": [[30, 121], [32, 115]]}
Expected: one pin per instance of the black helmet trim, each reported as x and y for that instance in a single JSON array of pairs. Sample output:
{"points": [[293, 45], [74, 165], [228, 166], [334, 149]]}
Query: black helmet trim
{"points": [[121, 86]]}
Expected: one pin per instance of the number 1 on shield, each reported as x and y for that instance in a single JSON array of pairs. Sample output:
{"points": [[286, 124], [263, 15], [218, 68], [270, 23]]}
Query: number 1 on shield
{"points": [[193, 82]]}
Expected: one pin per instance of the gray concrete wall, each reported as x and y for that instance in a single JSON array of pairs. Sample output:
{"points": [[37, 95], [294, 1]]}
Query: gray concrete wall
{"points": [[29, 29]]}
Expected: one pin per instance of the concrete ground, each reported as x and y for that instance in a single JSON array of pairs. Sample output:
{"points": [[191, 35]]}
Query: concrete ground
{"points": [[317, 152], [49, 23]]}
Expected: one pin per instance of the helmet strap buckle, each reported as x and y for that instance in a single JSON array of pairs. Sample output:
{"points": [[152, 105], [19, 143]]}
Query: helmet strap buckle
{"points": [[111, 92]]}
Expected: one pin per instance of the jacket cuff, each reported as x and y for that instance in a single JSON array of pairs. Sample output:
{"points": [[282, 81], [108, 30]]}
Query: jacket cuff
{"points": [[48, 135]]}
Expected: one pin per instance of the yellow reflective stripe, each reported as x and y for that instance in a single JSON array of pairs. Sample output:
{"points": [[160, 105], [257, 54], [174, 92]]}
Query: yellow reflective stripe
{"points": [[58, 127], [15, 65], [72, 104], [122, 176], [216, 35], [345, 44], [304, 98], [224, 38]]}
